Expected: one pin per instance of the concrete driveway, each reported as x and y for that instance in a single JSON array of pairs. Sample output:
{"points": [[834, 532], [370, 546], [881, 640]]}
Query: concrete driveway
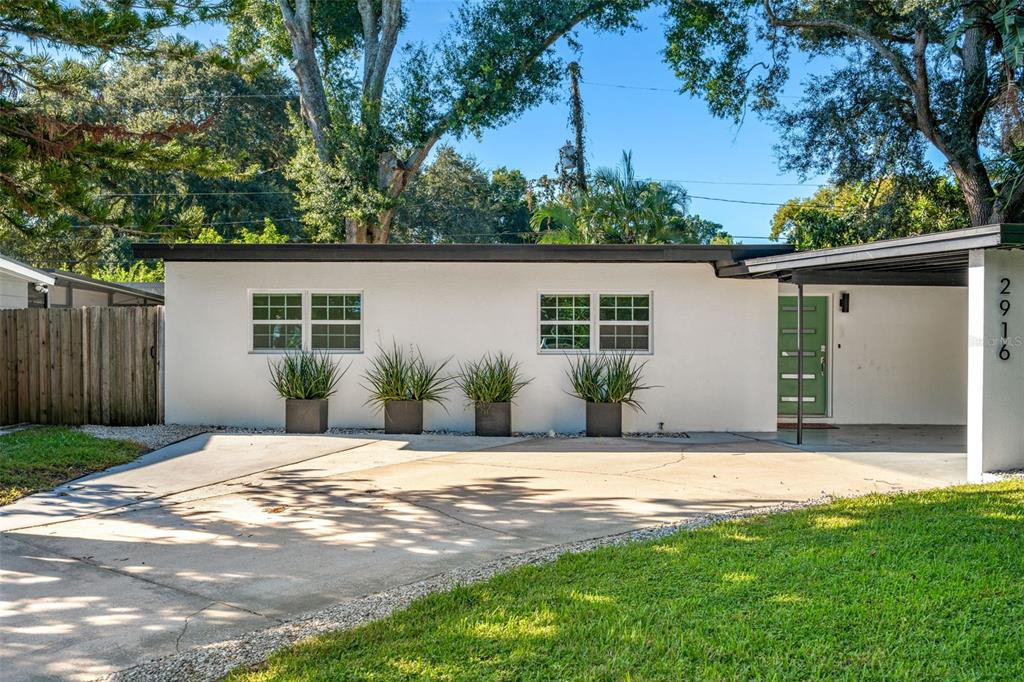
{"points": [[224, 534]]}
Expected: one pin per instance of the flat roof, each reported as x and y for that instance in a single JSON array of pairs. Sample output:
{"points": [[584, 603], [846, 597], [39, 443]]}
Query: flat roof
{"points": [[938, 258], [468, 253]]}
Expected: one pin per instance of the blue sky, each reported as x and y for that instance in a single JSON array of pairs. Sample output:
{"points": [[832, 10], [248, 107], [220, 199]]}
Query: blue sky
{"points": [[672, 136]]}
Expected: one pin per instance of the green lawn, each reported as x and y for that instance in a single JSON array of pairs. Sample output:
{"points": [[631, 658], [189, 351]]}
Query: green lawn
{"points": [[925, 586], [41, 458]]}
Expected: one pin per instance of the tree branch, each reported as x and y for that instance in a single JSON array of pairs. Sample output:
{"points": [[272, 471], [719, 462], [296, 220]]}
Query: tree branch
{"points": [[368, 16], [312, 97], [391, 20], [874, 41]]}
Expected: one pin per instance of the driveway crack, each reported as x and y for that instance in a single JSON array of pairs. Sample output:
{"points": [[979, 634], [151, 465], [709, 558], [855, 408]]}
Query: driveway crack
{"points": [[677, 460], [184, 627], [442, 512], [89, 561]]}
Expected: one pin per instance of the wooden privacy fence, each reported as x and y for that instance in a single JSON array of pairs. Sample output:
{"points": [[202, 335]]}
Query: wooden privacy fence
{"points": [[82, 365]]}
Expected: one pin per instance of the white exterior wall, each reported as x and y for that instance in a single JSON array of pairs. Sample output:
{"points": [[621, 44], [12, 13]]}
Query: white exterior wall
{"points": [[898, 357], [995, 429], [13, 292], [714, 340]]}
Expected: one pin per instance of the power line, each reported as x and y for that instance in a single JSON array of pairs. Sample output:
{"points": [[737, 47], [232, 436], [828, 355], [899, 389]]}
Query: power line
{"points": [[624, 86], [742, 183], [754, 203], [193, 194], [270, 192]]}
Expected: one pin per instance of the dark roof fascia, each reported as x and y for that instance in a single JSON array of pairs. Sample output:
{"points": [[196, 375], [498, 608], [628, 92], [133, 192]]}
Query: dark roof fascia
{"points": [[82, 282], [985, 237], [470, 253], [855, 277]]}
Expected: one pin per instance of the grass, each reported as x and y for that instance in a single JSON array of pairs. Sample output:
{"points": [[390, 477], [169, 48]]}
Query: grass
{"points": [[926, 586], [41, 458]]}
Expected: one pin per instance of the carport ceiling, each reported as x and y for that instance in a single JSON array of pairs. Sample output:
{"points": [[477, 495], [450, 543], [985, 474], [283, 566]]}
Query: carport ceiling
{"points": [[939, 259]]}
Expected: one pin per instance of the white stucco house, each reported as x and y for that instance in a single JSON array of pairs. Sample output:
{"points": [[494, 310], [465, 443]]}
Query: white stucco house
{"points": [[923, 330]]}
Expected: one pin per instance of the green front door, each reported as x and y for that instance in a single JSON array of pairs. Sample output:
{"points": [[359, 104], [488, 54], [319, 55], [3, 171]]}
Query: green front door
{"points": [[815, 355]]}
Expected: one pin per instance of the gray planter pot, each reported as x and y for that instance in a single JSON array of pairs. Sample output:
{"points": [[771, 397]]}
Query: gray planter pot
{"points": [[494, 419], [403, 416], [604, 420], [305, 416]]}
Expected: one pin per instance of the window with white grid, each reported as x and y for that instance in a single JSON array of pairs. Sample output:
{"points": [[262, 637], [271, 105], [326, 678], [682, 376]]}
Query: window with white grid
{"points": [[276, 321], [624, 322], [336, 322], [564, 322]]}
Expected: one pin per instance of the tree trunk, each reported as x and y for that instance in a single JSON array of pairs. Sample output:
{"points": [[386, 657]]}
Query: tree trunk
{"points": [[357, 231], [312, 98], [977, 190]]}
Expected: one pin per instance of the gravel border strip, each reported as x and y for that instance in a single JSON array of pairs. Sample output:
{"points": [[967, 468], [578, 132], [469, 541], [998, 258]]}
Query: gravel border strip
{"points": [[214, 661], [158, 436]]}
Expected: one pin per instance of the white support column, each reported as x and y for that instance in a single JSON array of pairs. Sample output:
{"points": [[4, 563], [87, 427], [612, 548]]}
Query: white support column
{"points": [[995, 363]]}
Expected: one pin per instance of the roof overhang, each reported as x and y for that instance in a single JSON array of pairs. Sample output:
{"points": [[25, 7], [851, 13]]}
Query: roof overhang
{"points": [[938, 259], [24, 272], [720, 255], [70, 279]]}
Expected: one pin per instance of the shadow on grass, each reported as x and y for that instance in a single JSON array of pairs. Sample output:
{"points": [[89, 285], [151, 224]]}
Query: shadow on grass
{"points": [[916, 586]]}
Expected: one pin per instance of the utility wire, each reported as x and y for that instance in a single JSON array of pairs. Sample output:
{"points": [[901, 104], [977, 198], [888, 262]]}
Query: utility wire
{"points": [[623, 86], [194, 194], [284, 191]]}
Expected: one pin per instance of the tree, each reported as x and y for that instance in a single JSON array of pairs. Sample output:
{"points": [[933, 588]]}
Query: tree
{"points": [[868, 211], [450, 201], [619, 208], [910, 75], [453, 200], [241, 108], [509, 196], [368, 131], [244, 105], [49, 158]]}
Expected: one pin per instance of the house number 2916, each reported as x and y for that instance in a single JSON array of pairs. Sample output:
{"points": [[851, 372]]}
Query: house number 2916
{"points": [[1004, 311]]}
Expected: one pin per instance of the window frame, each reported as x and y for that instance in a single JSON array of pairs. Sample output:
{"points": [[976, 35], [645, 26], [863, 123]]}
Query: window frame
{"points": [[590, 322], [307, 319], [308, 330], [594, 295], [649, 323], [250, 293]]}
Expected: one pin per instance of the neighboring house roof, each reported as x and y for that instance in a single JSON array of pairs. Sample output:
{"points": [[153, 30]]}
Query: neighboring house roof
{"points": [[149, 287], [494, 253], [127, 288], [20, 270], [939, 258]]}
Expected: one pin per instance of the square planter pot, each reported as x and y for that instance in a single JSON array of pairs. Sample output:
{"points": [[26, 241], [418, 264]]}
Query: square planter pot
{"points": [[604, 420], [403, 416], [494, 419], [305, 416]]}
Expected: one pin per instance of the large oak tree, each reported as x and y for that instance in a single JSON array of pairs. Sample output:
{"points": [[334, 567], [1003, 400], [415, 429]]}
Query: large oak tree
{"points": [[371, 126], [905, 77]]}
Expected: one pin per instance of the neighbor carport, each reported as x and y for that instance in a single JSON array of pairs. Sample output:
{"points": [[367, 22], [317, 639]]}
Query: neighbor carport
{"points": [[989, 262]]}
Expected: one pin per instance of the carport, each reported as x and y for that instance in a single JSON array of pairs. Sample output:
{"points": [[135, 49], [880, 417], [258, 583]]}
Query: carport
{"points": [[976, 280]]}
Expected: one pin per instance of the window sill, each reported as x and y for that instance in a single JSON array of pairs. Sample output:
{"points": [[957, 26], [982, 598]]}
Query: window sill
{"points": [[298, 350], [594, 352]]}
